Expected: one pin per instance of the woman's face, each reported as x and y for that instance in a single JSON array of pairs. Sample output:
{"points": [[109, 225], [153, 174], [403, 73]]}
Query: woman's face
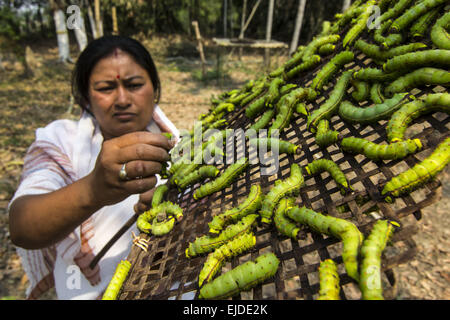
{"points": [[121, 95]]}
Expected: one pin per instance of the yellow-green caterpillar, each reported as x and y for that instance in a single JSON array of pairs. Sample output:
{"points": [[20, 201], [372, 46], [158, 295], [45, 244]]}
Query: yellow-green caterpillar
{"points": [[401, 118], [206, 243], [159, 194], [324, 136], [316, 43], [250, 205], [162, 224], [320, 165], [376, 93], [308, 64], [284, 225], [439, 34], [341, 229], [282, 188], [145, 220], [206, 171], [223, 181], [217, 258], [264, 120], [374, 51], [360, 25], [377, 152], [417, 78], [114, 286], [371, 250], [362, 90], [330, 107], [349, 113], [327, 71], [420, 27], [242, 278], [375, 75], [419, 174], [268, 143], [328, 281], [419, 59]]}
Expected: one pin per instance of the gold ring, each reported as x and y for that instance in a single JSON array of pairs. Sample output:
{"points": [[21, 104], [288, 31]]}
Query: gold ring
{"points": [[123, 172]]}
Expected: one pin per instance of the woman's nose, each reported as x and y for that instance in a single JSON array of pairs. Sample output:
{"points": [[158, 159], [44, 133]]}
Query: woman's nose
{"points": [[123, 99]]}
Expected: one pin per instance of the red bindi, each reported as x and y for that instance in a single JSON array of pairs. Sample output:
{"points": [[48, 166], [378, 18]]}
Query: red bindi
{"points": [[118, 76]]}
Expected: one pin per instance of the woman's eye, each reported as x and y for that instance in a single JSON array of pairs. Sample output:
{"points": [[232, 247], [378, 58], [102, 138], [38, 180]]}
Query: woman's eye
{"points": [[105, 89], [135, 85]]}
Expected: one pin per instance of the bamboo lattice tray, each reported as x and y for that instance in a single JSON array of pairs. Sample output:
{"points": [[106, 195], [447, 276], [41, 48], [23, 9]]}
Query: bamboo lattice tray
{"points": [[164, 272]]}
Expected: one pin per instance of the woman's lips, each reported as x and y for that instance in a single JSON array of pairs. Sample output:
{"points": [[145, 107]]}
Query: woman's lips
{"points": [[124, 116]]}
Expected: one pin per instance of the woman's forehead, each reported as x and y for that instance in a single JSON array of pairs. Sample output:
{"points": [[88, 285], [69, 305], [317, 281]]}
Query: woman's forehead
{"points": [[119, 63]]}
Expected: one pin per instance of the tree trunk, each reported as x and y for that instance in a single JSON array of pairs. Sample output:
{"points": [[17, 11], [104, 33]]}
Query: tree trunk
{"points": [[298, 26], [76, 23], [114, 20], [92, 21], [98, 19], [268, 33], [346, 5], [225, 17], [62, 35], [241, 34]]}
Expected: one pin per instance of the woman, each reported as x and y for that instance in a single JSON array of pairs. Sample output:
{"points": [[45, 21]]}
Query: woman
{"points": [[82, 179]]}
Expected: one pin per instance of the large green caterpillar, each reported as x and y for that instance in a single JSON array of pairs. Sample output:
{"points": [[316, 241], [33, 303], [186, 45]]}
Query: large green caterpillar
{"points": [[250, 205], [114, 286], [361, 91], [342, 229], [273, 92], [308, 64], [371, 250], [375, 75], [419, 77], [421, 173], [413, 13], [349, 113], [282, 188], [327, 71], [206, 171], [320, 165], [159, 194], [377, 152], [268, 143], [376, 93], [329, 107], [360, 25], [439, 34], [223, 181], [324, 136], [146, 219], [242, 278], [263, 121], [420, 27], [328, 281], [344, 19], [283, 224], [418, 59], [206, 243], [216, 259], [373, 51], [400, 119], [162, 224], [256, 90], [395, 11], [316, 43]]}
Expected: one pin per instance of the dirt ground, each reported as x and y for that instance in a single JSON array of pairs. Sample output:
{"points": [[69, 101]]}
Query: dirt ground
{"points": [[27, 104]]}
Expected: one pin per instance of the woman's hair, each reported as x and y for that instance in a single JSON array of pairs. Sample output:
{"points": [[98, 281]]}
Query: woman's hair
{"points": [[102, 48]]}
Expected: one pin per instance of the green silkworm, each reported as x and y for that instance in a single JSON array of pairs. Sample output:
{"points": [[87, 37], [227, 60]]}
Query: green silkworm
{"points": [[360, 25], [326, 49], [145, 219], [375, 75], [399, 7], [307, 65], [159, 194], [371, 250], [255, 108], [349, 113], [419, 174], [414, 13], [419, 77], [344, 19], [114, 286], [257, 89], [439, 34], [206, 243], [282, 188], [321, 165], [400, 119], [301, 109], [324, 75], [284, 225], [341, 229], [316, 43], [283, 145], [223, 107], [324, 136], [330, 107], [415, 60], [362, 90], [264, 120], [376, 93], [162, 224], [420, 27], [242, 278], [250, 205], [273, 92], [373, 51], [295, 59], [206, 171], [224, 180], [377, 152], [328, 281], [216, 259]]}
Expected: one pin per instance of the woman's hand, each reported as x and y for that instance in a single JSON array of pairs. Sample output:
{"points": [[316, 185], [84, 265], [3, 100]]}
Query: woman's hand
{"points": [[142, 153]]}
